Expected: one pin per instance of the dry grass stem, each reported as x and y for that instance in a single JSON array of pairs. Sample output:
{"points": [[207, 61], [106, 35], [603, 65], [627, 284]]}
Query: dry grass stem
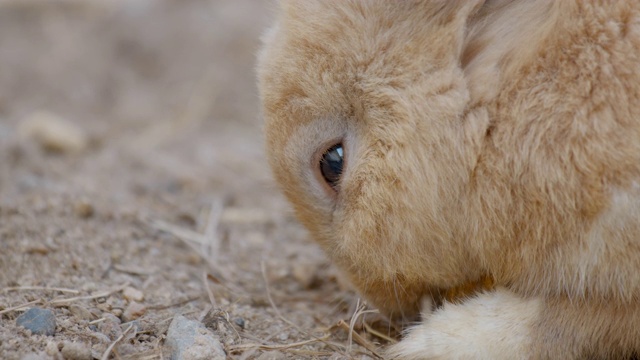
{"points": [[145, 357], [107, 352], [248, 354], [360, 310], [242, 347], [212, 298], [212, 242], [132, 270], [179, 303], [309, 352], [67, 301], [181, 233], [43, 288], [263, 267], [157, 348], [352, 324], [8, 310], [358, 338], [43, 4], [378, 334], [194, 240], [97, 321]]}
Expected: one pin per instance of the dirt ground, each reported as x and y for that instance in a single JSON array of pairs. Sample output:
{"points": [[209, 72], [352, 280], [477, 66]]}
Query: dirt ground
{"points": [[162, 203]]}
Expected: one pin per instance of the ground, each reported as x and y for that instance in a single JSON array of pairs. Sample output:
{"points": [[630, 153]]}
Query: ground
{"points": [[164, 204]]}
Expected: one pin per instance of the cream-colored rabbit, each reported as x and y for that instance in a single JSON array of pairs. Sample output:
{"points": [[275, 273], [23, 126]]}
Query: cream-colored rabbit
{"points": [[429, 144]]}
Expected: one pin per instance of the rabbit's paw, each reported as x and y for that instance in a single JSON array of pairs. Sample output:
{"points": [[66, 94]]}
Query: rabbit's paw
{"points": [[493, 325]]}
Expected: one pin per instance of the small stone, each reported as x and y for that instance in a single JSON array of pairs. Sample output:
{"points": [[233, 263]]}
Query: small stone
{"points": [[39, 321], [305, 274], [133, 311], [75, 351], [52, 349], [53, 133], [110, 326], [240, 322], [190, 340], [81, 312], [132, 294], [276, 271], [83, 209], [117, 312]]}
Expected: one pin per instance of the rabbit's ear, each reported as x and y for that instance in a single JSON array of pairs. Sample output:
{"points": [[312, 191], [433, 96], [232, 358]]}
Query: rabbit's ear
{"points": [[437, 27], [449, 18]]}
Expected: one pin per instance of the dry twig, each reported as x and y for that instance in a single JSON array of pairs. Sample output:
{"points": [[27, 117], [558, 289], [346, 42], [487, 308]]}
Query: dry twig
{"points": [[378, 334], [360, 310], [358, 338], [212, 298], [43, 288], [19, 306], [107, 352], [242, 347], [67, 301]]}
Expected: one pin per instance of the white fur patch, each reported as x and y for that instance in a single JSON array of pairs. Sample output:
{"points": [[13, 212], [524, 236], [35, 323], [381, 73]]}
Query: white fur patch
{"points": [[493, 325]]}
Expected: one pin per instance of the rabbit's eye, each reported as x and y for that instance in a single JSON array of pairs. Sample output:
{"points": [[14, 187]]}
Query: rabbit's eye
{"points": [[331, 165]]}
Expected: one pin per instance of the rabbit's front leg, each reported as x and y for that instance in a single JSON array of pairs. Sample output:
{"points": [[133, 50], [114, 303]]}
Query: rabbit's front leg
{"points": [[493, 325]]}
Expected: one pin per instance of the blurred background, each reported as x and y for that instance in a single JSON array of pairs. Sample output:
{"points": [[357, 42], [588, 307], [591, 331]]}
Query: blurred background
{"points": [[147, 75], [134, 188]]}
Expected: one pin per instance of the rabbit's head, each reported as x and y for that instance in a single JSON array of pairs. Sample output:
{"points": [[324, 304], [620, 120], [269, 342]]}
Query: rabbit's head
{"points": [[364, 104]]}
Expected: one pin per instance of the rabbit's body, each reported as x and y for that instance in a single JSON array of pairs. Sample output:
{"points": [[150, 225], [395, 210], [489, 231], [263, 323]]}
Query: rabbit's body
{"points": [[496, 139]]}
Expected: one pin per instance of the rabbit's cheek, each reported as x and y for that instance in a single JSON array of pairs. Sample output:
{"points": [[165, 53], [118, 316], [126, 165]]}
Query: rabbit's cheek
{"points": [[399, 299]]}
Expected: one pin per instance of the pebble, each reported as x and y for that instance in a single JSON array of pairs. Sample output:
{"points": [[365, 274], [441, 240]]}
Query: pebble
{"points": [[110, 326], [75, 351], [83, 209], [132, 294], [39, 321], [133, 311], [305, 274], [117, 312], [52, 349], [81, 312], [190, 340], [53, 133], [240, 322]]}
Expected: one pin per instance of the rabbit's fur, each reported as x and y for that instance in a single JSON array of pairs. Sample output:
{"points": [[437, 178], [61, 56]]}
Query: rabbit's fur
{"points": [[482, 138]]}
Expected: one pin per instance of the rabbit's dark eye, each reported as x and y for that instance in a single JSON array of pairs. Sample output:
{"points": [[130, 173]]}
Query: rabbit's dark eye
{"points": [[331, 165]]}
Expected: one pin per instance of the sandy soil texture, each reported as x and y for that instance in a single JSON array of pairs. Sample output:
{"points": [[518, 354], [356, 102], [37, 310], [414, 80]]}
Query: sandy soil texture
{"points": [[133, 188]]}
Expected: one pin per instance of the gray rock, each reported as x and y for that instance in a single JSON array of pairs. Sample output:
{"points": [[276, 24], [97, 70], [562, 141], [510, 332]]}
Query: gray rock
{"points": [[190, 340], [39, 321]]}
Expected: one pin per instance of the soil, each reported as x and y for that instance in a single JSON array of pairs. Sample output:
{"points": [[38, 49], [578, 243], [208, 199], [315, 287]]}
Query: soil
{"points": [[167, 206]]}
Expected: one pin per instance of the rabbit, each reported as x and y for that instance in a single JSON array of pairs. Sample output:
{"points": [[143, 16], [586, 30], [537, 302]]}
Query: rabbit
{"points": [[426, 145]]}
